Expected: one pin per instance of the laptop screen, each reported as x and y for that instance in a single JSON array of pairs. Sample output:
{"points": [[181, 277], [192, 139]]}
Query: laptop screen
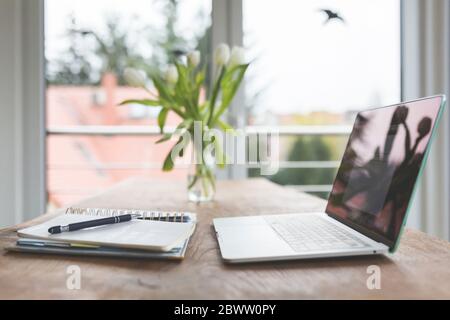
{"points": [[380, 166]]}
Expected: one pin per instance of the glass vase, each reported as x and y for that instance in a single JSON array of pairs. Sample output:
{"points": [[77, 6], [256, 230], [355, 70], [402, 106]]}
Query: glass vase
{"points": [[201, 181]]}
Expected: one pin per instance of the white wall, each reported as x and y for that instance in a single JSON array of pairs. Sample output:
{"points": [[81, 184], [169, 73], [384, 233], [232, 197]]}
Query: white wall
{"points": [[21, 111]]}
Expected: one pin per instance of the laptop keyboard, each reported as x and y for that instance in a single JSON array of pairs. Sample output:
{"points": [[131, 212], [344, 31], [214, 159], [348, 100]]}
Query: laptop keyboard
{"points": [[313, 233]]}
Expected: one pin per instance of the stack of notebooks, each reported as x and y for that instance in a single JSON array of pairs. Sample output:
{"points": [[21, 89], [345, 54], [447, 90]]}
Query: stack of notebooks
{"points": [[153, 235]]}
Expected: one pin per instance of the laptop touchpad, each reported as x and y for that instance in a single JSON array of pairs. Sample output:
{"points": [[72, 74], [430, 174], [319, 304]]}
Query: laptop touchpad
{"points": [[248, 241]]}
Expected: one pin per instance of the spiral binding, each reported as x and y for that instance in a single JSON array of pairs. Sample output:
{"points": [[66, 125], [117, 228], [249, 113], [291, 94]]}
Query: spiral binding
{"points": [[145, 214]]}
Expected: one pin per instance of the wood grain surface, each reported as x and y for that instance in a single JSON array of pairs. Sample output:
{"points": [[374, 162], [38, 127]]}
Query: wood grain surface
{"points": [[419, 269]]}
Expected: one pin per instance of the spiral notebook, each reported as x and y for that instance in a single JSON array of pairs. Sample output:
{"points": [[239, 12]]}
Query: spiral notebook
{"points": [[74, 249], [154, 231], [151, 215]]}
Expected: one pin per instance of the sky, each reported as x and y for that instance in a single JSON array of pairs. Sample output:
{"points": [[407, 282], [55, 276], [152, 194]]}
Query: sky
{"points": [[305, 65], [301, 65]]}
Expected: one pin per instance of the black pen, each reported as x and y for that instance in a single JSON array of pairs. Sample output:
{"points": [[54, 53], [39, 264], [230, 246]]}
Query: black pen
{"points": [[93, 223]]}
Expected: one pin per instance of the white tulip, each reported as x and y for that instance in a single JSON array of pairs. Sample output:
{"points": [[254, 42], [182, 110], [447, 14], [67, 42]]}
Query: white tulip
{"points": [[194, 58], [237, 56], [171, 75], [222, 54], [135, 78]]}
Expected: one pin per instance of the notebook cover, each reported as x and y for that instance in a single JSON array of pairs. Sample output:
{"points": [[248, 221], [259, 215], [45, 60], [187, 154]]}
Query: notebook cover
{"points": [[176, 253]]}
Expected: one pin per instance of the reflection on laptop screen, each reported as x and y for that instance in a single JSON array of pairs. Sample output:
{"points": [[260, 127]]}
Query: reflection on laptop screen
{"points": [[380, 165]]}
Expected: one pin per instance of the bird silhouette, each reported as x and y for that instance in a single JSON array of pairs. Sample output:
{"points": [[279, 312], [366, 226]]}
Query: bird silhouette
{"points": [[331, 15]]}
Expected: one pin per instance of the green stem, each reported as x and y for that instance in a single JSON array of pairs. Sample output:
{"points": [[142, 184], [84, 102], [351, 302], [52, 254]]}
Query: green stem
{"points": [[194, 180], [215, 93], [205, 186], [206, 177]]}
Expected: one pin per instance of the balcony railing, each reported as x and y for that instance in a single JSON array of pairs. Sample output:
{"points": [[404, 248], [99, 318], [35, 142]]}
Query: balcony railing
{"points": [[333, 130], [300, 130]]}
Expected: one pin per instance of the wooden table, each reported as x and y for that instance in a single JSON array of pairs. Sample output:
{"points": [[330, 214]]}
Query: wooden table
{"points": [[419, 269]]}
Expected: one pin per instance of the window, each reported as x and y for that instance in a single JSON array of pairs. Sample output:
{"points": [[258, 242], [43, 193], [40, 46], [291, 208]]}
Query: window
{"points": [[308, 78], [313, 71], [93, 143]]}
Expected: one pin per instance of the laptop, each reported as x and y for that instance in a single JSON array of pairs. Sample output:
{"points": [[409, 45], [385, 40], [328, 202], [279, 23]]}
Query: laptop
{"points": [[370, 197]]}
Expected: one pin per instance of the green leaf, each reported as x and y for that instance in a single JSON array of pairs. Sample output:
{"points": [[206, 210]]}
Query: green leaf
{"points": [[225, 126], [163, 90], [185, 91], [214, 95], [183, 83], [200, 77], [230, 85], [165, 137], [162, 117], [203, 106], [231, 82], [220, 156], [168, 162], [145, 102], [182, 73], [185, 124]]}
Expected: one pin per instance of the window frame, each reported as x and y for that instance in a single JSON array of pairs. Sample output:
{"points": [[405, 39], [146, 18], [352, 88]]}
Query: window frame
{"points": [[227, 26], [28, 187]]}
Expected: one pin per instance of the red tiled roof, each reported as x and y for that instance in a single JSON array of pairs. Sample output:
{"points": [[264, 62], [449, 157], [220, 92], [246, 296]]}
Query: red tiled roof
{"points": [[81, 165]]}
